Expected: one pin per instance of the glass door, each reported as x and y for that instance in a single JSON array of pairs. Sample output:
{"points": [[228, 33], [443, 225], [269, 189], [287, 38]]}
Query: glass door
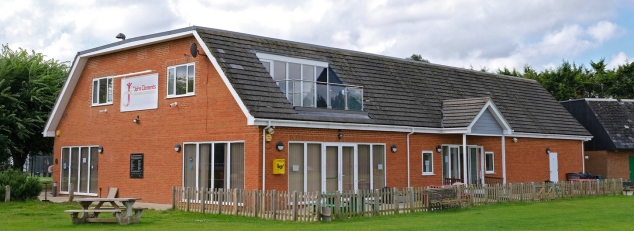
{"points": [[474, 168], [348, 172], [340, 170], [332, 169]]}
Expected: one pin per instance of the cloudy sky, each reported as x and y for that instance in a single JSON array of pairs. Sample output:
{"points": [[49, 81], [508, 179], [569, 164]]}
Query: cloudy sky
{"points": [[474, 33]]}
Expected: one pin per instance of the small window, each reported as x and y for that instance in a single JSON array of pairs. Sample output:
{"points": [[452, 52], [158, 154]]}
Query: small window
{"points": [[102, 91], [180, 80], [489, 162], [428, 163]]}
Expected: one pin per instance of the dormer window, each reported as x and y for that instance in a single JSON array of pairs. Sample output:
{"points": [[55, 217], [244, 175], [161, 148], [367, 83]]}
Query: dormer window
{"points": [[309, 83]]}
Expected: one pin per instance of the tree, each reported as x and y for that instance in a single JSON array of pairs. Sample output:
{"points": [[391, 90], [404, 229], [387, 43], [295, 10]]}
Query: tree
{"points": [[417, 57], [29, 86]]}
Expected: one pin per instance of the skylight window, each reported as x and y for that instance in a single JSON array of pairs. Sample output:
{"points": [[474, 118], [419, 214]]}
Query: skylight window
{"points": [[308, 83]]}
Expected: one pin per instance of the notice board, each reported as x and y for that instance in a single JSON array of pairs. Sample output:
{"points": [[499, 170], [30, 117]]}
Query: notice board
{"points": [[136, 165]]}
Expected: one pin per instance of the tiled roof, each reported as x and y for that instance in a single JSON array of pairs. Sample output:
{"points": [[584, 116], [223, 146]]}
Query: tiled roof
{"points": [[617, 118], [395, 91], [461, 112]]}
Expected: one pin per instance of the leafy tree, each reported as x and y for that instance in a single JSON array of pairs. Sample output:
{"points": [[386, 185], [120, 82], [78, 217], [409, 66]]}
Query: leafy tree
{"points": [[29, 86], [417, 57]]}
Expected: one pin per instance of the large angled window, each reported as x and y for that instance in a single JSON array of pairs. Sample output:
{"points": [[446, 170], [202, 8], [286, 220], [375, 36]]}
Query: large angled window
{"points": [[309, 83]]}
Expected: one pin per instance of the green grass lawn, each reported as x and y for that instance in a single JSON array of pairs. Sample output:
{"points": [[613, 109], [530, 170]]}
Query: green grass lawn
{"points": [[597, 213]]}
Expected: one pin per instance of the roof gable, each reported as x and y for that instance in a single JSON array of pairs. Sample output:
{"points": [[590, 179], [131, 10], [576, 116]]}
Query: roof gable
{"points": [[477, 115]]}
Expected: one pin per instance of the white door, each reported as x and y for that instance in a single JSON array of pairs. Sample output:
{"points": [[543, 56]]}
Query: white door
{"points": [[554, 169]]}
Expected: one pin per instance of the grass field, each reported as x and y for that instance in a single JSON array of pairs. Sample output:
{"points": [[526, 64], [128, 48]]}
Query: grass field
{"points": [[598, 213]]}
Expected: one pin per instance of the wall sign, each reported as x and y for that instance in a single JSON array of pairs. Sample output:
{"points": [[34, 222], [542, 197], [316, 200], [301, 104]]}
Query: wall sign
{"points": [[139, 93], [279, 166], [136, 165]]}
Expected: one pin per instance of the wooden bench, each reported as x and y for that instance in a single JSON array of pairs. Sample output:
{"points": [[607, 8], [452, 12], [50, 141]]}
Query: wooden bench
{"points": [[629, 190], [119, 215]]}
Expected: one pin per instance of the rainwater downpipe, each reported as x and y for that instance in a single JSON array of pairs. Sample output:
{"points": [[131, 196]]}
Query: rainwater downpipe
{"points": [[408, 173], [264, 156]]}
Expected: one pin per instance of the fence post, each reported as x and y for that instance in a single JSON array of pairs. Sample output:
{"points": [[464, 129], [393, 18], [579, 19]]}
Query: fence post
{"points": [[255, 203], [411, 200], [173, 197], [220, 193], [235, 201], [294, 205], [360, 202], [337, 207], [532, 191], [273, 203], [71, 192], [187, 196], [376, 202], [395, 198], [7, 194], [203, 198]]}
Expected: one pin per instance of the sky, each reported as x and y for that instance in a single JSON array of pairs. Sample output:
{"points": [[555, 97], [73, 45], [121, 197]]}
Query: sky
{"points": [[468, 33]]}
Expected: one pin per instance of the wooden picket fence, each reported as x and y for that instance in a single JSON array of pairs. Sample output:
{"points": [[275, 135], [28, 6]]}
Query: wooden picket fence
{"points": [[314, 206]]}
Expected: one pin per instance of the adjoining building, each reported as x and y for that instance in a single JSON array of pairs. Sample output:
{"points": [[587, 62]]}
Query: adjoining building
{"points": [[207, 108], [611, 152]]}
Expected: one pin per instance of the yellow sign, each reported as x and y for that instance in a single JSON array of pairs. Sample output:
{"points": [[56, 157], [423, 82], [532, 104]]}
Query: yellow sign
{"points": [[279, 166], [268, 137]]}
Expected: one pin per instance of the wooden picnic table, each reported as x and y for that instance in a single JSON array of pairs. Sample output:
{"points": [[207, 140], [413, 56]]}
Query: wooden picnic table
{"points": [[122, 214]]}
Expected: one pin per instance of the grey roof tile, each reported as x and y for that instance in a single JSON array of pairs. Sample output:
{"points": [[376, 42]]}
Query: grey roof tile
{"points": [[396, 91]]}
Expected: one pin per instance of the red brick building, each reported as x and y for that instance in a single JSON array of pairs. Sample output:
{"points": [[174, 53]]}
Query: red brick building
{"points": [[249, 112]]}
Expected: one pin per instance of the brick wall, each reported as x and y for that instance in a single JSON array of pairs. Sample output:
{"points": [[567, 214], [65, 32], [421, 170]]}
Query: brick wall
{"points": [[597, 163], [619, 164], [210, 115]]}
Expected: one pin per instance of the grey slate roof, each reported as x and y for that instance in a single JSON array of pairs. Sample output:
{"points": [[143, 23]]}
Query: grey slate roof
{"points": [[617, 119], [395, 91], [461, 112]]}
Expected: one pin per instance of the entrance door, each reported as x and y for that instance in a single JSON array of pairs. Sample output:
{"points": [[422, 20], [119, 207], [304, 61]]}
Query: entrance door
{"points": [[631, 168], [332, 169], [340, 171], [554, 169], [474, 167]]}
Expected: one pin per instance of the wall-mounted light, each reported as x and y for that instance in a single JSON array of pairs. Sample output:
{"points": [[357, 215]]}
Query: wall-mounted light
{"points": [[340, 135], [174, 104], [514, 139], [100, 150], [587, 157], [177, 147], [279, 146], [270, 130], [393, 148], [136, 120], [438, 149], [547, 150], [55, 160]]}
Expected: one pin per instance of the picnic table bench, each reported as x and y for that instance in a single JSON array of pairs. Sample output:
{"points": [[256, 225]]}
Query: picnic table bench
{"points": [[123, 215]]}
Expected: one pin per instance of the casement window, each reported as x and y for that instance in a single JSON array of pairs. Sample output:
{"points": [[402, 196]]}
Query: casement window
{"points": [[79, 167], [309, 83], [428, 163], [329, 167], [102, 91], [488, 162], [181, 80], [213, 165]]}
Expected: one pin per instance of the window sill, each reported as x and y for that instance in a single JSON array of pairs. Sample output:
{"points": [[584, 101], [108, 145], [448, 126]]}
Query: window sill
{"points": [[429, 174], [103, 104], [489, 173], [180, 96]]}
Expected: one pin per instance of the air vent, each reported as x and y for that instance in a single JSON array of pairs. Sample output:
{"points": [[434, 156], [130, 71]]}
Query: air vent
{"points": [[221, 51]]}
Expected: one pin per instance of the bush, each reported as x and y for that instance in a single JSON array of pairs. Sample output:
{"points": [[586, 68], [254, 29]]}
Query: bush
{"points": [[22, 186]]}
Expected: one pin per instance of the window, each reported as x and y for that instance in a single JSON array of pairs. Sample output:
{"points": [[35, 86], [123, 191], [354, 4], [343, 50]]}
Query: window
{"points": [[328, 167], [213, 165], [102, 91], [428, 163], [488, 162], [180, 80], [80, 168], [307, 83]]}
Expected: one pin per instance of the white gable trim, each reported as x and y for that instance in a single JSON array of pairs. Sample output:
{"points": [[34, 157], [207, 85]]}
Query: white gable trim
{"points": [[214, 62], [506, 128], [80, 62]]}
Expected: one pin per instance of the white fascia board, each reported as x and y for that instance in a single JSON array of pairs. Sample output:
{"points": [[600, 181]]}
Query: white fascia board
{"points": [[291, 59], [64, 96], [497, 115], [551, 136], [351, 126], [214, 62], [78, 67]]}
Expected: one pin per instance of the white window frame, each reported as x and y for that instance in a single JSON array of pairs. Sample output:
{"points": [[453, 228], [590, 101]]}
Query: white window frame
{"points": [[340, 145], [167, 77], [492, 171], [96, 91], [77, 185], [431, 164], [197, 165]]}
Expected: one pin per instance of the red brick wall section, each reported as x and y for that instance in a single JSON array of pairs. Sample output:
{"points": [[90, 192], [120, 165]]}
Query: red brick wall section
{"points": [[597, 163], [618, 164], [527, 161], [211, 115]]}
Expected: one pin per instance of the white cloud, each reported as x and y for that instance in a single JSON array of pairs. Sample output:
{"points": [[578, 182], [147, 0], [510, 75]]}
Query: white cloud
{"points": [[618, 59], [603, 30]]}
